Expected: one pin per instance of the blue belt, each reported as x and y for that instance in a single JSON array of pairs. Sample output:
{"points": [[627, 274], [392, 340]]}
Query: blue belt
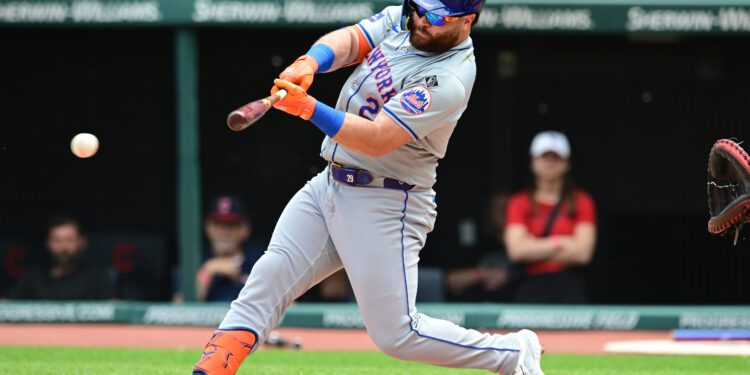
{"points": [[360, 177]]}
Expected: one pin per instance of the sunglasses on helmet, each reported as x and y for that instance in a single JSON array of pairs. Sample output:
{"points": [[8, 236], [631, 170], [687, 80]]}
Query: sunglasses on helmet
{"points": [[433, 18]]}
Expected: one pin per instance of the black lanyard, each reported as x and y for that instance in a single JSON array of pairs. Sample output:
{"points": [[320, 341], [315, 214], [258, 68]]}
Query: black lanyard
{"points": [[551, 218]]}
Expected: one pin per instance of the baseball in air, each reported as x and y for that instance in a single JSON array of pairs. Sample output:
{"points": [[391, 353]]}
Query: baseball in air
{"points": [[84, 145]]}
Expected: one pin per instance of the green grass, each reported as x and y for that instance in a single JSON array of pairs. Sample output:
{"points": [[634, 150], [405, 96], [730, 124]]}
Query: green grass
{"points": [[61, 361]]}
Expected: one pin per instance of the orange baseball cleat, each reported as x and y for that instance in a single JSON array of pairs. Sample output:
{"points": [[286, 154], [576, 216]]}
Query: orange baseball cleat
{"points": [[225, 352]]}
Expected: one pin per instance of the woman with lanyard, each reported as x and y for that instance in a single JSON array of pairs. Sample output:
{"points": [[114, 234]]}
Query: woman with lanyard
{"points": [[551, 227]]}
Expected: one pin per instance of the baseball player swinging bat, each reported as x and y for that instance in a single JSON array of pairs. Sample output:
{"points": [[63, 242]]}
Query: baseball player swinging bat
{"points": [[370, 209], [241, 118]]}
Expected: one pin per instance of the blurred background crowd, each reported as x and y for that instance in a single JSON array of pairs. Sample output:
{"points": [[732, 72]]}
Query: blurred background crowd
{"points": [[538, 242]]}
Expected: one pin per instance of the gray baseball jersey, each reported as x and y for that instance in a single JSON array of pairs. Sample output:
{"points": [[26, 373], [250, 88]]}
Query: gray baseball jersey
{"points": [[424, 93]]}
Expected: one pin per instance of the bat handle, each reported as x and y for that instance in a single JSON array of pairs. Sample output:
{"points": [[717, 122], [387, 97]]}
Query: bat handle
{"points": [[272, 99], [281, 94]]}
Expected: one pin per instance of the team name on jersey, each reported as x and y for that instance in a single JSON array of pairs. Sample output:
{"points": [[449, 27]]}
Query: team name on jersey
{"points": [[383, 82]]}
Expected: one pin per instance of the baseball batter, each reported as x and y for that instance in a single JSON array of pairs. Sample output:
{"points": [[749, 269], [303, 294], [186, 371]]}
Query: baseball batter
{"points": [[370, 210]]}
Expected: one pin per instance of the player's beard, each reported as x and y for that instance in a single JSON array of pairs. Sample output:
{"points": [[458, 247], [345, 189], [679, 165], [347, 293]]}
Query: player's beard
{"points": [[423, 41]]}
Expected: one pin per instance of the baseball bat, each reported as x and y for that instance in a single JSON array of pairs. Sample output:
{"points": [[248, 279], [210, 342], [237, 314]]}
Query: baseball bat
{"points": [[241, 118]]}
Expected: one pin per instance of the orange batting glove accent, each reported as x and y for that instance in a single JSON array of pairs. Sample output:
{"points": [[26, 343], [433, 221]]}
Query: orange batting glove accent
{"points": [[225, 352], [301, 72], [296, 102]]}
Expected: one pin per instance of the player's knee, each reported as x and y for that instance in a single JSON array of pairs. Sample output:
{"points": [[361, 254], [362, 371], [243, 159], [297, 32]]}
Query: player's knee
{"points": [[398, 347], [392, 349]]}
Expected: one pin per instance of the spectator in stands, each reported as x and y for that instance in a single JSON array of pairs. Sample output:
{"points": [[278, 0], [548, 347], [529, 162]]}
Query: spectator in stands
{"points": [[551, 227], [66, 277], [229, 258], [483, 273]]}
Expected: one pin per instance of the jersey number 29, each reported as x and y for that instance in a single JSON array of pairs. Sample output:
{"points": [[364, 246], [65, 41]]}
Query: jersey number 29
{"points": [[372, 108]]}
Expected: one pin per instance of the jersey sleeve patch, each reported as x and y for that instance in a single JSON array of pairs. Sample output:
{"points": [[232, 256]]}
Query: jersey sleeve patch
{"points": [[416, 100], [431, 81]]}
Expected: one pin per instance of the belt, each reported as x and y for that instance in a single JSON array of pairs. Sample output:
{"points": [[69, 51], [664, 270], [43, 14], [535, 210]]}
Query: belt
{"points": [[360, 177]]}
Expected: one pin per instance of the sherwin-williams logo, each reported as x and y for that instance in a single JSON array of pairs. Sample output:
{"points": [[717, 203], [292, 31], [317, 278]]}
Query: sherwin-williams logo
{"points": [[417, 100], [81, 11]]}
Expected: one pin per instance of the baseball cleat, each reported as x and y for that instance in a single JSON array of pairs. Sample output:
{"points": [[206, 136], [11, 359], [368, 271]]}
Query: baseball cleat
{"points": [[530, 359], [225, 352]]}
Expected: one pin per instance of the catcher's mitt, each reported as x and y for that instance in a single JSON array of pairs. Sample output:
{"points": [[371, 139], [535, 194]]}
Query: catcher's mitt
{"points": [[728, 188]]}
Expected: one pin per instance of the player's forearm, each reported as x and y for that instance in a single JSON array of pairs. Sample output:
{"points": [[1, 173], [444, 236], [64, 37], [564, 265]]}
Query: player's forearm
{"points": [[344, 46], [373, 138], [368, 137]]}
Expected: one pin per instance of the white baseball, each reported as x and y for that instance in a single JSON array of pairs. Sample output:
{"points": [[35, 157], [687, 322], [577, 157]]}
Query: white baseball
{"points": [[84, 145]]}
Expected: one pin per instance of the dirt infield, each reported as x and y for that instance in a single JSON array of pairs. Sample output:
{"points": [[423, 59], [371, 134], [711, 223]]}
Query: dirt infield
{"points": [[135, 336]]}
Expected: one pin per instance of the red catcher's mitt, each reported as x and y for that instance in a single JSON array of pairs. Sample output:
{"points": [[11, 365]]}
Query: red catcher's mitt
{"points": [[728, 188]]}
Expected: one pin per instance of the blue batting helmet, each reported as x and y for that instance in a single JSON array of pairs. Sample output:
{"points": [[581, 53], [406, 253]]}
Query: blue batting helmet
{"points": [[443, 8]]}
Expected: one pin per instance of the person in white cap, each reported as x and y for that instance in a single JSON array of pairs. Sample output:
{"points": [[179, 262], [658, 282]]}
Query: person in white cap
{"points": [[551, 227]]}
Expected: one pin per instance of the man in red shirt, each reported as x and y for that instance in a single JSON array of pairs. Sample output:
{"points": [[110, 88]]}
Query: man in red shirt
{"points": [[551, 227]]}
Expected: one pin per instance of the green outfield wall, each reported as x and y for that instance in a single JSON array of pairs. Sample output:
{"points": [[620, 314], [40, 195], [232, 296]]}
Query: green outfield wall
{"points": [[582, 16], [479, 316]]}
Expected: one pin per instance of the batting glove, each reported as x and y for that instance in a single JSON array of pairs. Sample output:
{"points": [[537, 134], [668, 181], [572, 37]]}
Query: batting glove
{"points": [[296, 102], [301, 73]]}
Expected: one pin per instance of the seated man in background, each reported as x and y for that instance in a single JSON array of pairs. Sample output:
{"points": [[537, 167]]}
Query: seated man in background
{"points": [[228, 260], [67, 276], [551, 227]]}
